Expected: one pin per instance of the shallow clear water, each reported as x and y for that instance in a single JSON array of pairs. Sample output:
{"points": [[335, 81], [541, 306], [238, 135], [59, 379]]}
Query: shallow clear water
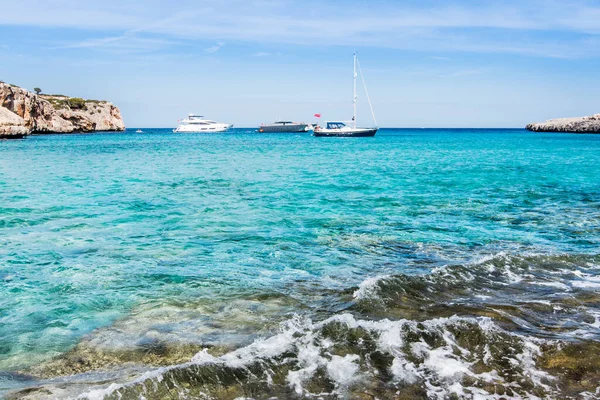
{"points": [[126, 239]]}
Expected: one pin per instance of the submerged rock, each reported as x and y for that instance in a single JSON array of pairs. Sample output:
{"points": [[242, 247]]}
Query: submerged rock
{"points": [[23, 112], [342, 357], [576, 365], [576, 125]]}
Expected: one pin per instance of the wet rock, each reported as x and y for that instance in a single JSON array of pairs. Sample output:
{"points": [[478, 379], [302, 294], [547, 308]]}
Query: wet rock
{"points": [[84, 358], [30, 393], [576, 364]]}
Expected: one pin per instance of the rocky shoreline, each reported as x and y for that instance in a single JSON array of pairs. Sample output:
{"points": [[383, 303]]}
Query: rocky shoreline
{"points": [[574, 125], [23, 113]]}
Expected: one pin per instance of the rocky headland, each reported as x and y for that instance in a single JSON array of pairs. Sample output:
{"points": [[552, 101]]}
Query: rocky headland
{"points": [[575, 125], [23, 112]]}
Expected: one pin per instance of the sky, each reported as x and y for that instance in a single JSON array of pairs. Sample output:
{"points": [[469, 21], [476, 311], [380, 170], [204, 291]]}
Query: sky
{"points": [[426, 63]]}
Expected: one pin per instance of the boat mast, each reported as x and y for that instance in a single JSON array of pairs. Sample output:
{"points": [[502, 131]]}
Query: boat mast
{"points": [[366, 91], [354, 98]]}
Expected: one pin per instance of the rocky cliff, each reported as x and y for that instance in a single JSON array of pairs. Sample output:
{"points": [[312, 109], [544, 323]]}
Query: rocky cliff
{"points": [[577, 125], [11, 125], [23, 112]]}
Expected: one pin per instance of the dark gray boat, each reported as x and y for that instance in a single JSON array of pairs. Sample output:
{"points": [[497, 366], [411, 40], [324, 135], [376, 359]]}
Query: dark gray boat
{"points": [[285, 126]]}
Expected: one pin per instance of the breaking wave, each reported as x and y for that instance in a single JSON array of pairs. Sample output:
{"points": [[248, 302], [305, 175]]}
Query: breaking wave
{"points": [[552, 296], [348, 357], [505, 326]]}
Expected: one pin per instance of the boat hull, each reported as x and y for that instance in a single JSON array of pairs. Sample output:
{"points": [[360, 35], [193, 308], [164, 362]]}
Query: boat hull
{"points": [[212, 129], [17, 136], [369, 132], [295, 128]]}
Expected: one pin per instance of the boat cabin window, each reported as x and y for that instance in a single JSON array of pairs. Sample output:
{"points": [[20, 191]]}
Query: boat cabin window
{"points": [[335, 125]]}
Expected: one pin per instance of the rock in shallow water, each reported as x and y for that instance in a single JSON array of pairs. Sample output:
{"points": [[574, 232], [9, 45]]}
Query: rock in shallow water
{"points": [[576, 125]]}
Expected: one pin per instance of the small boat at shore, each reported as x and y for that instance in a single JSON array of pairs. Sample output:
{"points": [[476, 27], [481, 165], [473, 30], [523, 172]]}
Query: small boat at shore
{"points": [[349, 128], [198, 124], [139, 131], [285, 127]]}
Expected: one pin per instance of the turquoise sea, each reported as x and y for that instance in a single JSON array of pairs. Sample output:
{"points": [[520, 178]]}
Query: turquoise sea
{"points": [[421, 263]]}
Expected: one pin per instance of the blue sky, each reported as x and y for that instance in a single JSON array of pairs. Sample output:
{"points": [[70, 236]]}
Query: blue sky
{"points": [[427, 63]]}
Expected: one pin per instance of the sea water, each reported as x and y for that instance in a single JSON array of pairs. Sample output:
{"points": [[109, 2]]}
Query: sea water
{"points": [[421, 262]]}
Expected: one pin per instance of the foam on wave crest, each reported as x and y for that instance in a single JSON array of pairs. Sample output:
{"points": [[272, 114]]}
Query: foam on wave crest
{"points": [[345, 357], [549, 295]]}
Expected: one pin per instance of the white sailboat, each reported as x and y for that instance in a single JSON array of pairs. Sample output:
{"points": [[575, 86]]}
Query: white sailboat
{"points": [[348, 128]]}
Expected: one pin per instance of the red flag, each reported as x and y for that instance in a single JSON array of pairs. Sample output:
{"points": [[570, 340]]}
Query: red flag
{"points": [[318, 115]]}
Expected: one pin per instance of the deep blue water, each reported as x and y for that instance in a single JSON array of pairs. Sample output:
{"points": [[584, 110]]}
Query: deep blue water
{"points": [[162, 229]]}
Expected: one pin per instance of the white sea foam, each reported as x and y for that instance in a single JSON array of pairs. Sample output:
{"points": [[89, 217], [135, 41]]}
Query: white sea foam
{"points": [[557, 285], [481, 267], [586, 281], [596, 323], [512, 277], [101, 393], [544, 302], [585, 284], [590, 395], [486, 258], [343, 370], [368, 288], [204, 357], [588, 329], [441, 368]]}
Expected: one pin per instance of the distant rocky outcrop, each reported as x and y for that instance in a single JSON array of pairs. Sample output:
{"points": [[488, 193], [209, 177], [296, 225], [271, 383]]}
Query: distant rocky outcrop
{"points": [[23, 112], [576, 125]]}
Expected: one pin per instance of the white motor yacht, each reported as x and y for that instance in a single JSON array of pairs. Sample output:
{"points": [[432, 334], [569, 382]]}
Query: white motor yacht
{"points": [[198, 124]]}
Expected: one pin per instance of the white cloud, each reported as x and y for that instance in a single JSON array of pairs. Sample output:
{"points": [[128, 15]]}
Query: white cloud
{"points": [[126, 43], [493, 26], [465, 72], [262, 54], [215, 48]]}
